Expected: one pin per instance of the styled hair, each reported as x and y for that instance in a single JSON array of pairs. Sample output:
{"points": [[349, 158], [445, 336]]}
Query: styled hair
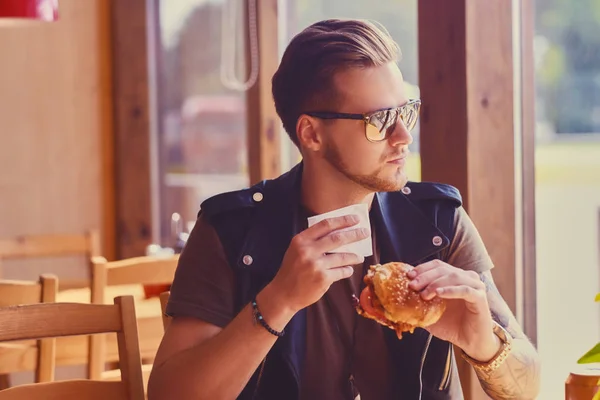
{"points": [[304, 80]]}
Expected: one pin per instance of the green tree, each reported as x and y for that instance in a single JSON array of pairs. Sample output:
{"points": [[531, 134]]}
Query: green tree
{"points": [[568, 77]]}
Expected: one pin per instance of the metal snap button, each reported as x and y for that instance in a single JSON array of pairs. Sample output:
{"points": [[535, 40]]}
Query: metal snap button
{"points": [[257, 197], [406, 190], [437, 241], [247, 260]]}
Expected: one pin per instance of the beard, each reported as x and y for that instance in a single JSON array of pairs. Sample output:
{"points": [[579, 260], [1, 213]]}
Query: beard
{"points": [[373, 181]]}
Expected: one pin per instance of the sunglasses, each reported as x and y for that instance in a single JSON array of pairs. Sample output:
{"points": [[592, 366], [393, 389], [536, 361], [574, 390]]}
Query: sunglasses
{"points": [[379, 125]]}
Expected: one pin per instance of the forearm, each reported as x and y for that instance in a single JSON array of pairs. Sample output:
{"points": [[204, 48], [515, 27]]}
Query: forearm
{"points": [[518, 377], [221, 366]]}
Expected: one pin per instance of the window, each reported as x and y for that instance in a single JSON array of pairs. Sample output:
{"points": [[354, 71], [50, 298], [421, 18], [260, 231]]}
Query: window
{"points": [[567, 57], [399, 17], [201, 138]]}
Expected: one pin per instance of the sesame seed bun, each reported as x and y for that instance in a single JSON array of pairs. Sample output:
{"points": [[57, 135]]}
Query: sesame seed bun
{"points": [[388, 300]]}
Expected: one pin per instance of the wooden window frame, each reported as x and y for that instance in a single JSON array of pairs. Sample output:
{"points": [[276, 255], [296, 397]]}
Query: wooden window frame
{"points": [[132, 116], [133, 22], [528, 214], [263, 127], [472, 121]]}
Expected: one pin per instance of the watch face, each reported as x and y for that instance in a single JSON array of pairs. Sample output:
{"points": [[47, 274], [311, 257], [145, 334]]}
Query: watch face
{"points": [[502, 333]]}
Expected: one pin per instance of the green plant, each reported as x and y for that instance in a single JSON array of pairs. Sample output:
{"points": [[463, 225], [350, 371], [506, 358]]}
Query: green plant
{"points": [[592, 356]]}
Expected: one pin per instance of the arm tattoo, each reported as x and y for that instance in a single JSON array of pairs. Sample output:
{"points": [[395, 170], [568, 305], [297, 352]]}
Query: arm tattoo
{"points": [[519, 376], [501, 313]]}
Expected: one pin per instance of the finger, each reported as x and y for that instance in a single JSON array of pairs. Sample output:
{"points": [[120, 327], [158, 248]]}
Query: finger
{"points": [[336, 260], [329, 225], [463, 292], [339, 273], [428, 266], [455, 278], [424, 279], [337, 239]]}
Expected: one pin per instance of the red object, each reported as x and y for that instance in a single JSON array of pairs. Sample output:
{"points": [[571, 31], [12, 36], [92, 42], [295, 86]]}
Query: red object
{"points": [[154, 290], [581, 386], [41, 10]]}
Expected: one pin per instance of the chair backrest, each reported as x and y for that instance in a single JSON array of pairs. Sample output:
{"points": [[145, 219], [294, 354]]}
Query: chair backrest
{"points": [[68, 319], [59, 245], [137, 270], [164, 299], [12, 357], [34, 246]]}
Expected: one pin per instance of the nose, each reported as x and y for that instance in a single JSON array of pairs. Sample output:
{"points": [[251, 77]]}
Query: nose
{"points": [[400, 135]]}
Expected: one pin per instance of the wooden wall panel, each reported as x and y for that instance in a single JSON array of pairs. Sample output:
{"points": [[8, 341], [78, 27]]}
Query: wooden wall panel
{"points": [[55, 127]]}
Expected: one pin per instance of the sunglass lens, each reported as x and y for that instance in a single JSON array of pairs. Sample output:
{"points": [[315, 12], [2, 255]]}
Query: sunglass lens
{"points": [[374, 131], [379, 123], [409, 115]]}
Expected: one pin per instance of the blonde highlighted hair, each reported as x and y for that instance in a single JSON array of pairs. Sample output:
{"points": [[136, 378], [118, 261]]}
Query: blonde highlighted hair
{"points": [[304, 80]]}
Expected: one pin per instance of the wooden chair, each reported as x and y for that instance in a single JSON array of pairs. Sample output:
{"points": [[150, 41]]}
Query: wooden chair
{"points": [[164, 299], [40, 246], [138, 270], [68, 319], [14, 356]]}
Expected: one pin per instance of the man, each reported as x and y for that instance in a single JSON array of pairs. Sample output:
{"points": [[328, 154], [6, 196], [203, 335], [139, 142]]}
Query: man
{"points": [[262, 308]]}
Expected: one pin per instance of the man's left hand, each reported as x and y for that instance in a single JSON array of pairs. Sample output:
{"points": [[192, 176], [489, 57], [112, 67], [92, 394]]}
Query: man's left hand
{"points": [[467, 321]]}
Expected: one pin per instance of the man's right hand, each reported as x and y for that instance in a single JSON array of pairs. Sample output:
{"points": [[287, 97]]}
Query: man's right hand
{"points": [[307, 270], [206, 361]]}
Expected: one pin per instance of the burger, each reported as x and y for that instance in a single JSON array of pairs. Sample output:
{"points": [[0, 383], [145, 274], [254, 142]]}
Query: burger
{"points": [[388, 300]]}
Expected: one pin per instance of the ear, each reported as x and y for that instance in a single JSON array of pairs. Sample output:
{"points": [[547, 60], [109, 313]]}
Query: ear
{"points": [[308, 130]]}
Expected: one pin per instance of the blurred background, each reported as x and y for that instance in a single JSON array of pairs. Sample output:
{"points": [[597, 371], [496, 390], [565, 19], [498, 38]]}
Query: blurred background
{"points": [[125, 117]]}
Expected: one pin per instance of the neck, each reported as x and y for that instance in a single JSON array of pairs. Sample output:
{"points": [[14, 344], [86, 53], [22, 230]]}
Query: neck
{"points": [[325, 189]]}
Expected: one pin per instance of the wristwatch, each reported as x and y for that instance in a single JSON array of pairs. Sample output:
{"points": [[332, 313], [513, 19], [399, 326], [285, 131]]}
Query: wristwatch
{"points": [[493, 364]]}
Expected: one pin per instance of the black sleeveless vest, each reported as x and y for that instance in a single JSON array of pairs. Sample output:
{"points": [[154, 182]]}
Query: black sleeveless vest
{"points": [[413, 226]]}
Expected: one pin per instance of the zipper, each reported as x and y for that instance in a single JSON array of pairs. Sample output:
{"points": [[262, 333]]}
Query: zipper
{"points": [[422, 365], [446, 377], [260, 373]]}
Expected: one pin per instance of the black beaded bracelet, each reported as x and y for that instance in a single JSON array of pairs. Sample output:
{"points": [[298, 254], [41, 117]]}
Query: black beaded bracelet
{"points": [[259, 318]]}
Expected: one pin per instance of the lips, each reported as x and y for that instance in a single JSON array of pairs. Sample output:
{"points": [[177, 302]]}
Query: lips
{"points": [[399, 158], [398, 161]]}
